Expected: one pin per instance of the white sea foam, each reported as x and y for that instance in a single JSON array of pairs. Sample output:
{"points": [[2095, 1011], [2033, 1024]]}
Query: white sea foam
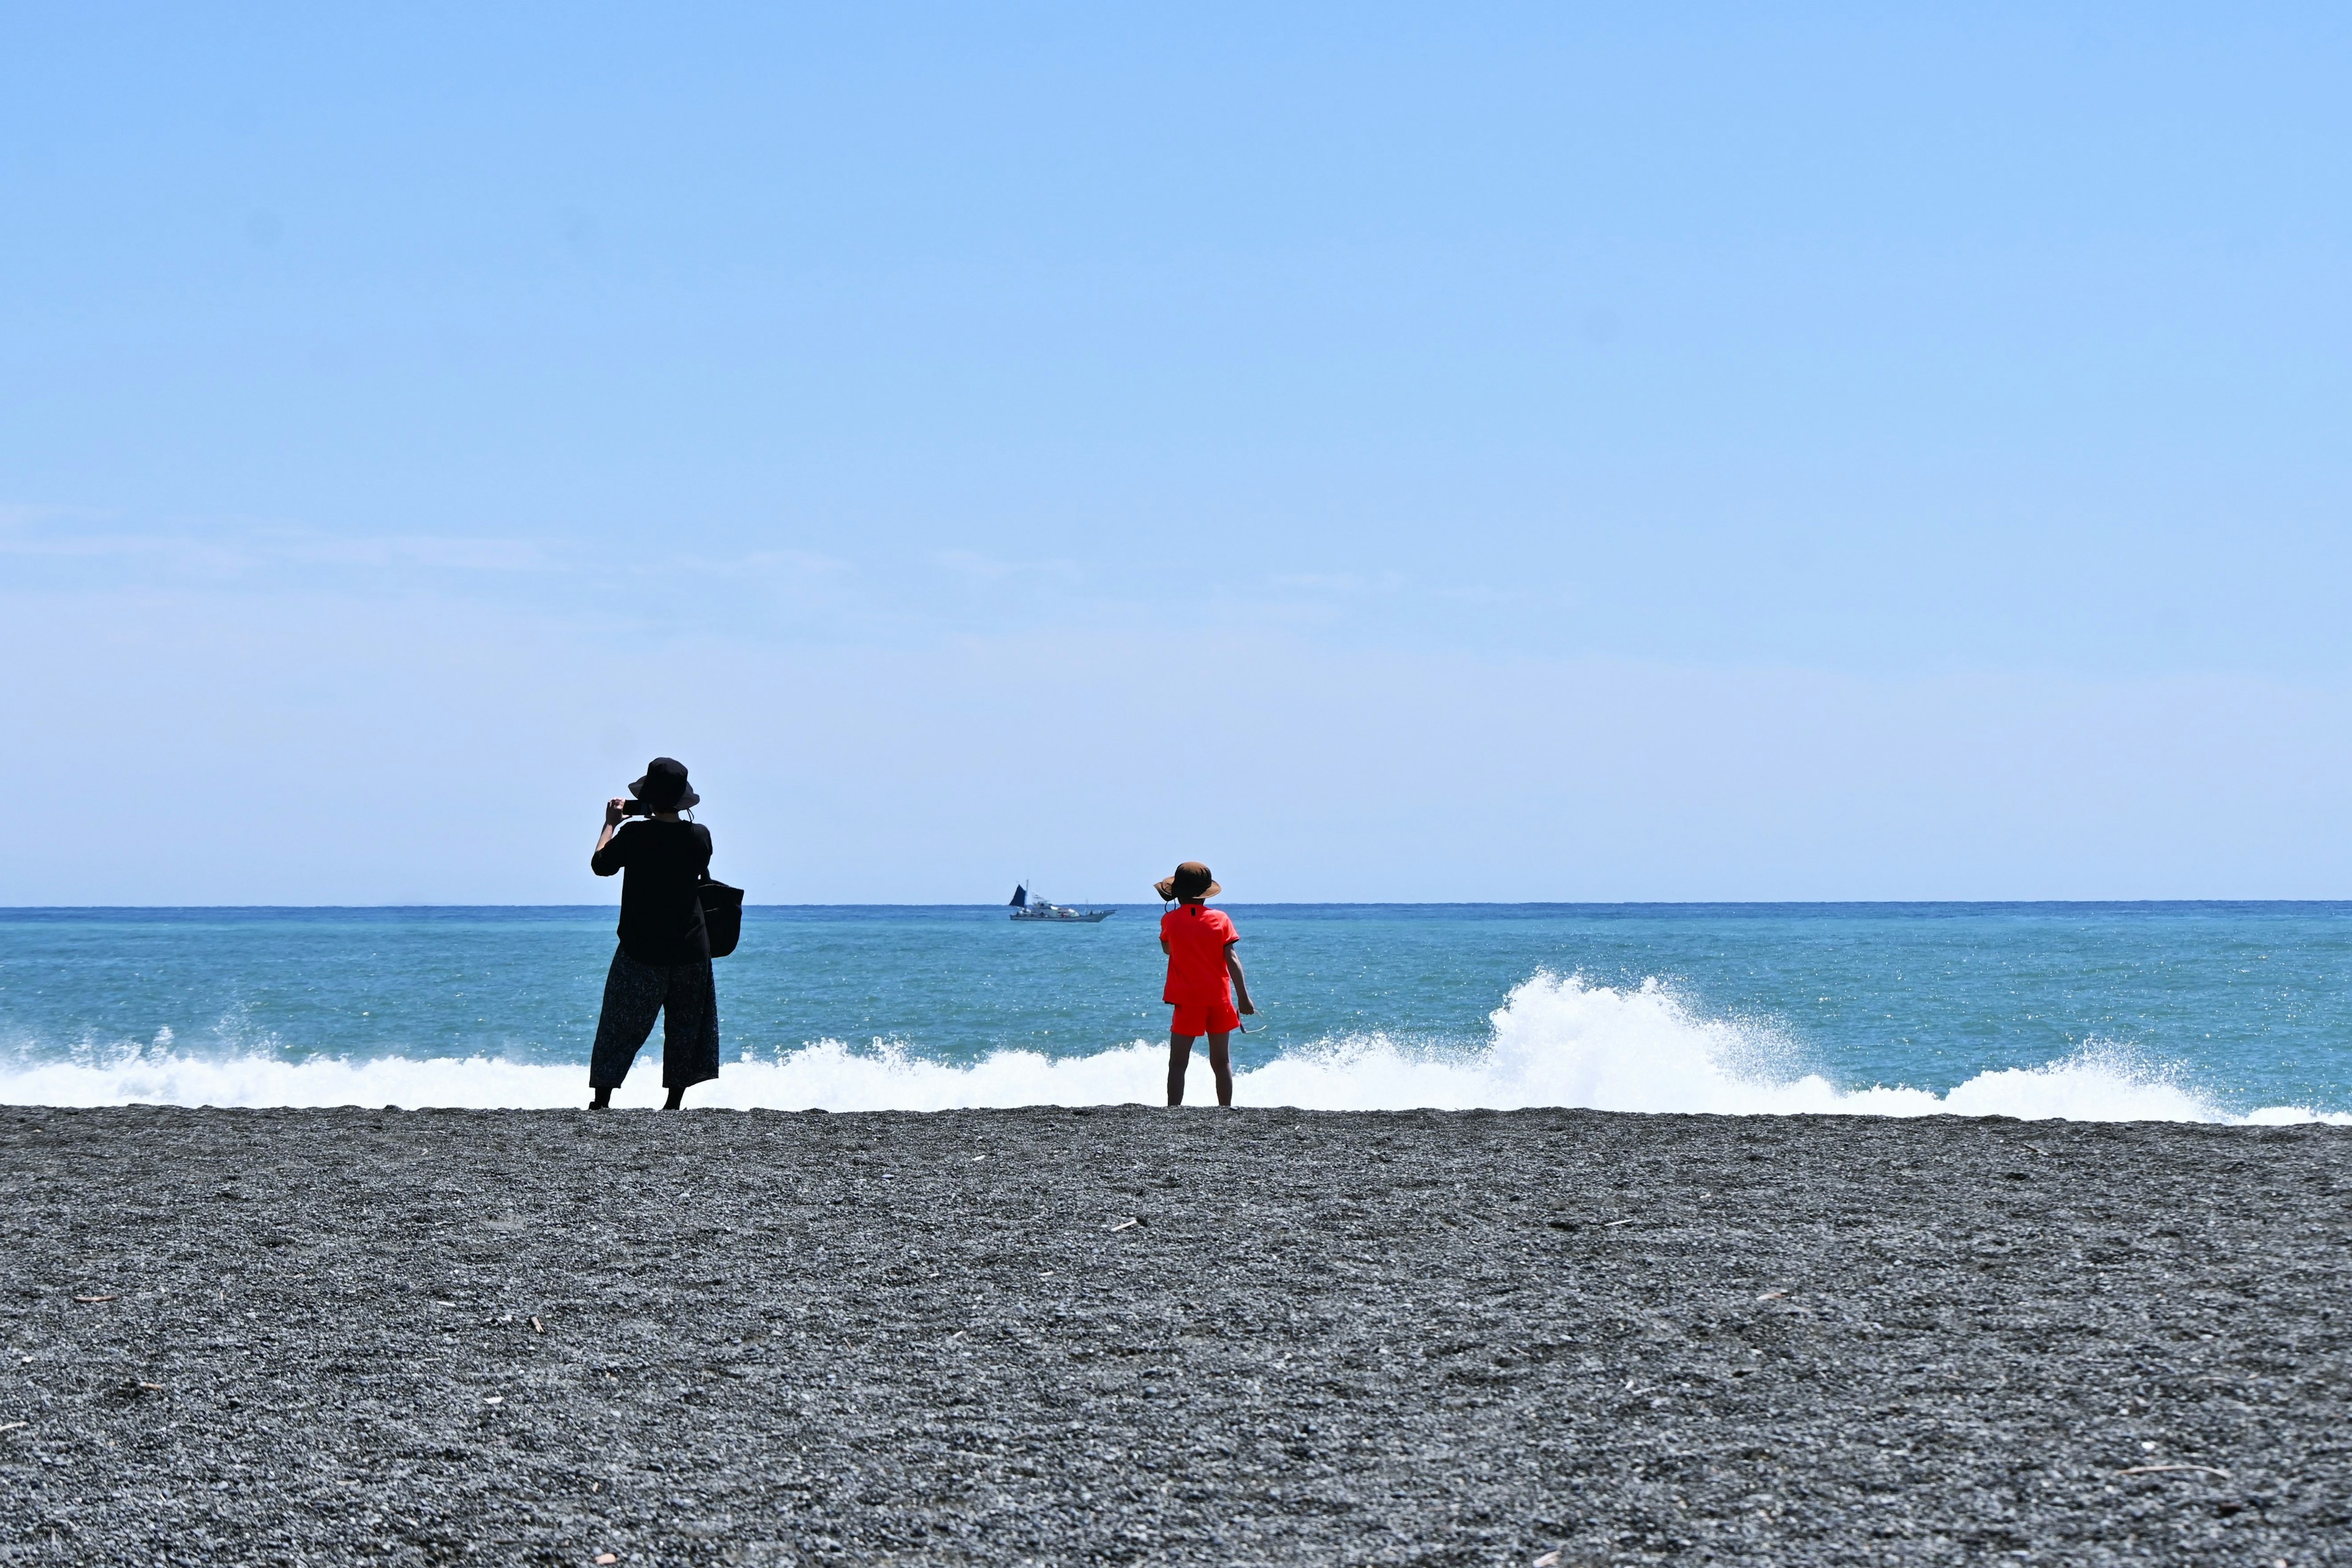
{"points": [[1557, 1041]]}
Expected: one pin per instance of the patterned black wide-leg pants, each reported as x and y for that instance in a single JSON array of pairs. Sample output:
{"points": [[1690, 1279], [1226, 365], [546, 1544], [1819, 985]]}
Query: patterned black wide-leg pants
{"points": [[686, 1000]]}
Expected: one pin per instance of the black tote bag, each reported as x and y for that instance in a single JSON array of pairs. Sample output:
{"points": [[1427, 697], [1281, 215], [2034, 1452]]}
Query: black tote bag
{"points": [[722, 915]]}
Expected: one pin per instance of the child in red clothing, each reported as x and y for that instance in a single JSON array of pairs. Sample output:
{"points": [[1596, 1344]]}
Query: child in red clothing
{"points": [[1199, 942]]}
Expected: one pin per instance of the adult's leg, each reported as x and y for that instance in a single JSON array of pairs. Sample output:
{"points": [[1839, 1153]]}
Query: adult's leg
{"points": [[633, 995], [689, 1031], [1221, 1062], [1179, 1056]]}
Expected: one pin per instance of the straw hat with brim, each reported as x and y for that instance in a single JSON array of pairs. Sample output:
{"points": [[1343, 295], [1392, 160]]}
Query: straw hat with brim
{"points": [[1191, 880], [663, 787]]}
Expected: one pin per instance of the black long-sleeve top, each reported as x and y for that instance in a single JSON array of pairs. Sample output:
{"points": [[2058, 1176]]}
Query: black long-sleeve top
{"points": [[661, 910]]}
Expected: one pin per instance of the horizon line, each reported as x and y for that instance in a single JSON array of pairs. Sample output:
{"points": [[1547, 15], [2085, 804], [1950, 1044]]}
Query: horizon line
{"points": [[7, 909]]}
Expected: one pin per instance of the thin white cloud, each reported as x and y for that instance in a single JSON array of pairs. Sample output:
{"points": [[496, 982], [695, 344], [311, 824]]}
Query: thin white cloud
{"points": [[1346, 585], [213, 550], [457, 553], [973, 566]]}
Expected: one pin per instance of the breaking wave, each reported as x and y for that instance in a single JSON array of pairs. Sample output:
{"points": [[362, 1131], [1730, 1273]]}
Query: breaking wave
{"points": [[1556, 1041]]}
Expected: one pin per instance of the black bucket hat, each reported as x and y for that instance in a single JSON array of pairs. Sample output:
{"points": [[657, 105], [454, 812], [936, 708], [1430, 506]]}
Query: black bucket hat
{"points": [[663, 787]]}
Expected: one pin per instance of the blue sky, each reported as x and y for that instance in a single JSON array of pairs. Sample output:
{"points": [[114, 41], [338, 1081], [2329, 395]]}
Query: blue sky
{"points": [[1511, 452]]}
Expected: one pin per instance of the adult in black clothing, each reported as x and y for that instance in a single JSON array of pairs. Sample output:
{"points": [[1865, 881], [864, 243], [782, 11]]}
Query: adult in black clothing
{"points": [[663, 964]]}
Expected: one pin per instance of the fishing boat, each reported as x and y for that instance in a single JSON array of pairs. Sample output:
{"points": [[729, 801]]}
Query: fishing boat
{"points": [[1025, 908]]}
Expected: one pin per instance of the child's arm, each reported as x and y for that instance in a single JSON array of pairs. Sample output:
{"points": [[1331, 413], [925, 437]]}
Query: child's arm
{"points": [[1241, 980]]}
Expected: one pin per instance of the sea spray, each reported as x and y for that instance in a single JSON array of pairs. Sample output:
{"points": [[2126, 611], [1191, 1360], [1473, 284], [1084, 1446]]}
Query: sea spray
{"points": [[1558, 1040]]}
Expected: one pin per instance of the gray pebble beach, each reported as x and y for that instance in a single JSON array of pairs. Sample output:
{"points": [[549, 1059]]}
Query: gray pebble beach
{"points": [[1132, 1336]]}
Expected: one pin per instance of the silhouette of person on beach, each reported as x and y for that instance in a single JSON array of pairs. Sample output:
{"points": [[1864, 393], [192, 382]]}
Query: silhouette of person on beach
{"points": [[1204, 976], [663, 962]]}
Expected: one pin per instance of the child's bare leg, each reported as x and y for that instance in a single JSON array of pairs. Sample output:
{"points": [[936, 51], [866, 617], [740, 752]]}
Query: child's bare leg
{"points": [[1179, 1056], [1221, 1062]]}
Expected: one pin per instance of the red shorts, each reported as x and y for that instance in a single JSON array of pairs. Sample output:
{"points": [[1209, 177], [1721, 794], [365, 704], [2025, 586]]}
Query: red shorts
{"points": [[1216, 1018]]}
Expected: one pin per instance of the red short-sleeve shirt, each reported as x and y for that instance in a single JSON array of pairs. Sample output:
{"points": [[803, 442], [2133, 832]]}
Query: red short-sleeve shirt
{"points": [[1197, 937]]}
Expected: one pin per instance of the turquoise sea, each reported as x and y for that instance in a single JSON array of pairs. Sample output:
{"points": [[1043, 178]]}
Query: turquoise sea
{"points": [[2177, 1010]]}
